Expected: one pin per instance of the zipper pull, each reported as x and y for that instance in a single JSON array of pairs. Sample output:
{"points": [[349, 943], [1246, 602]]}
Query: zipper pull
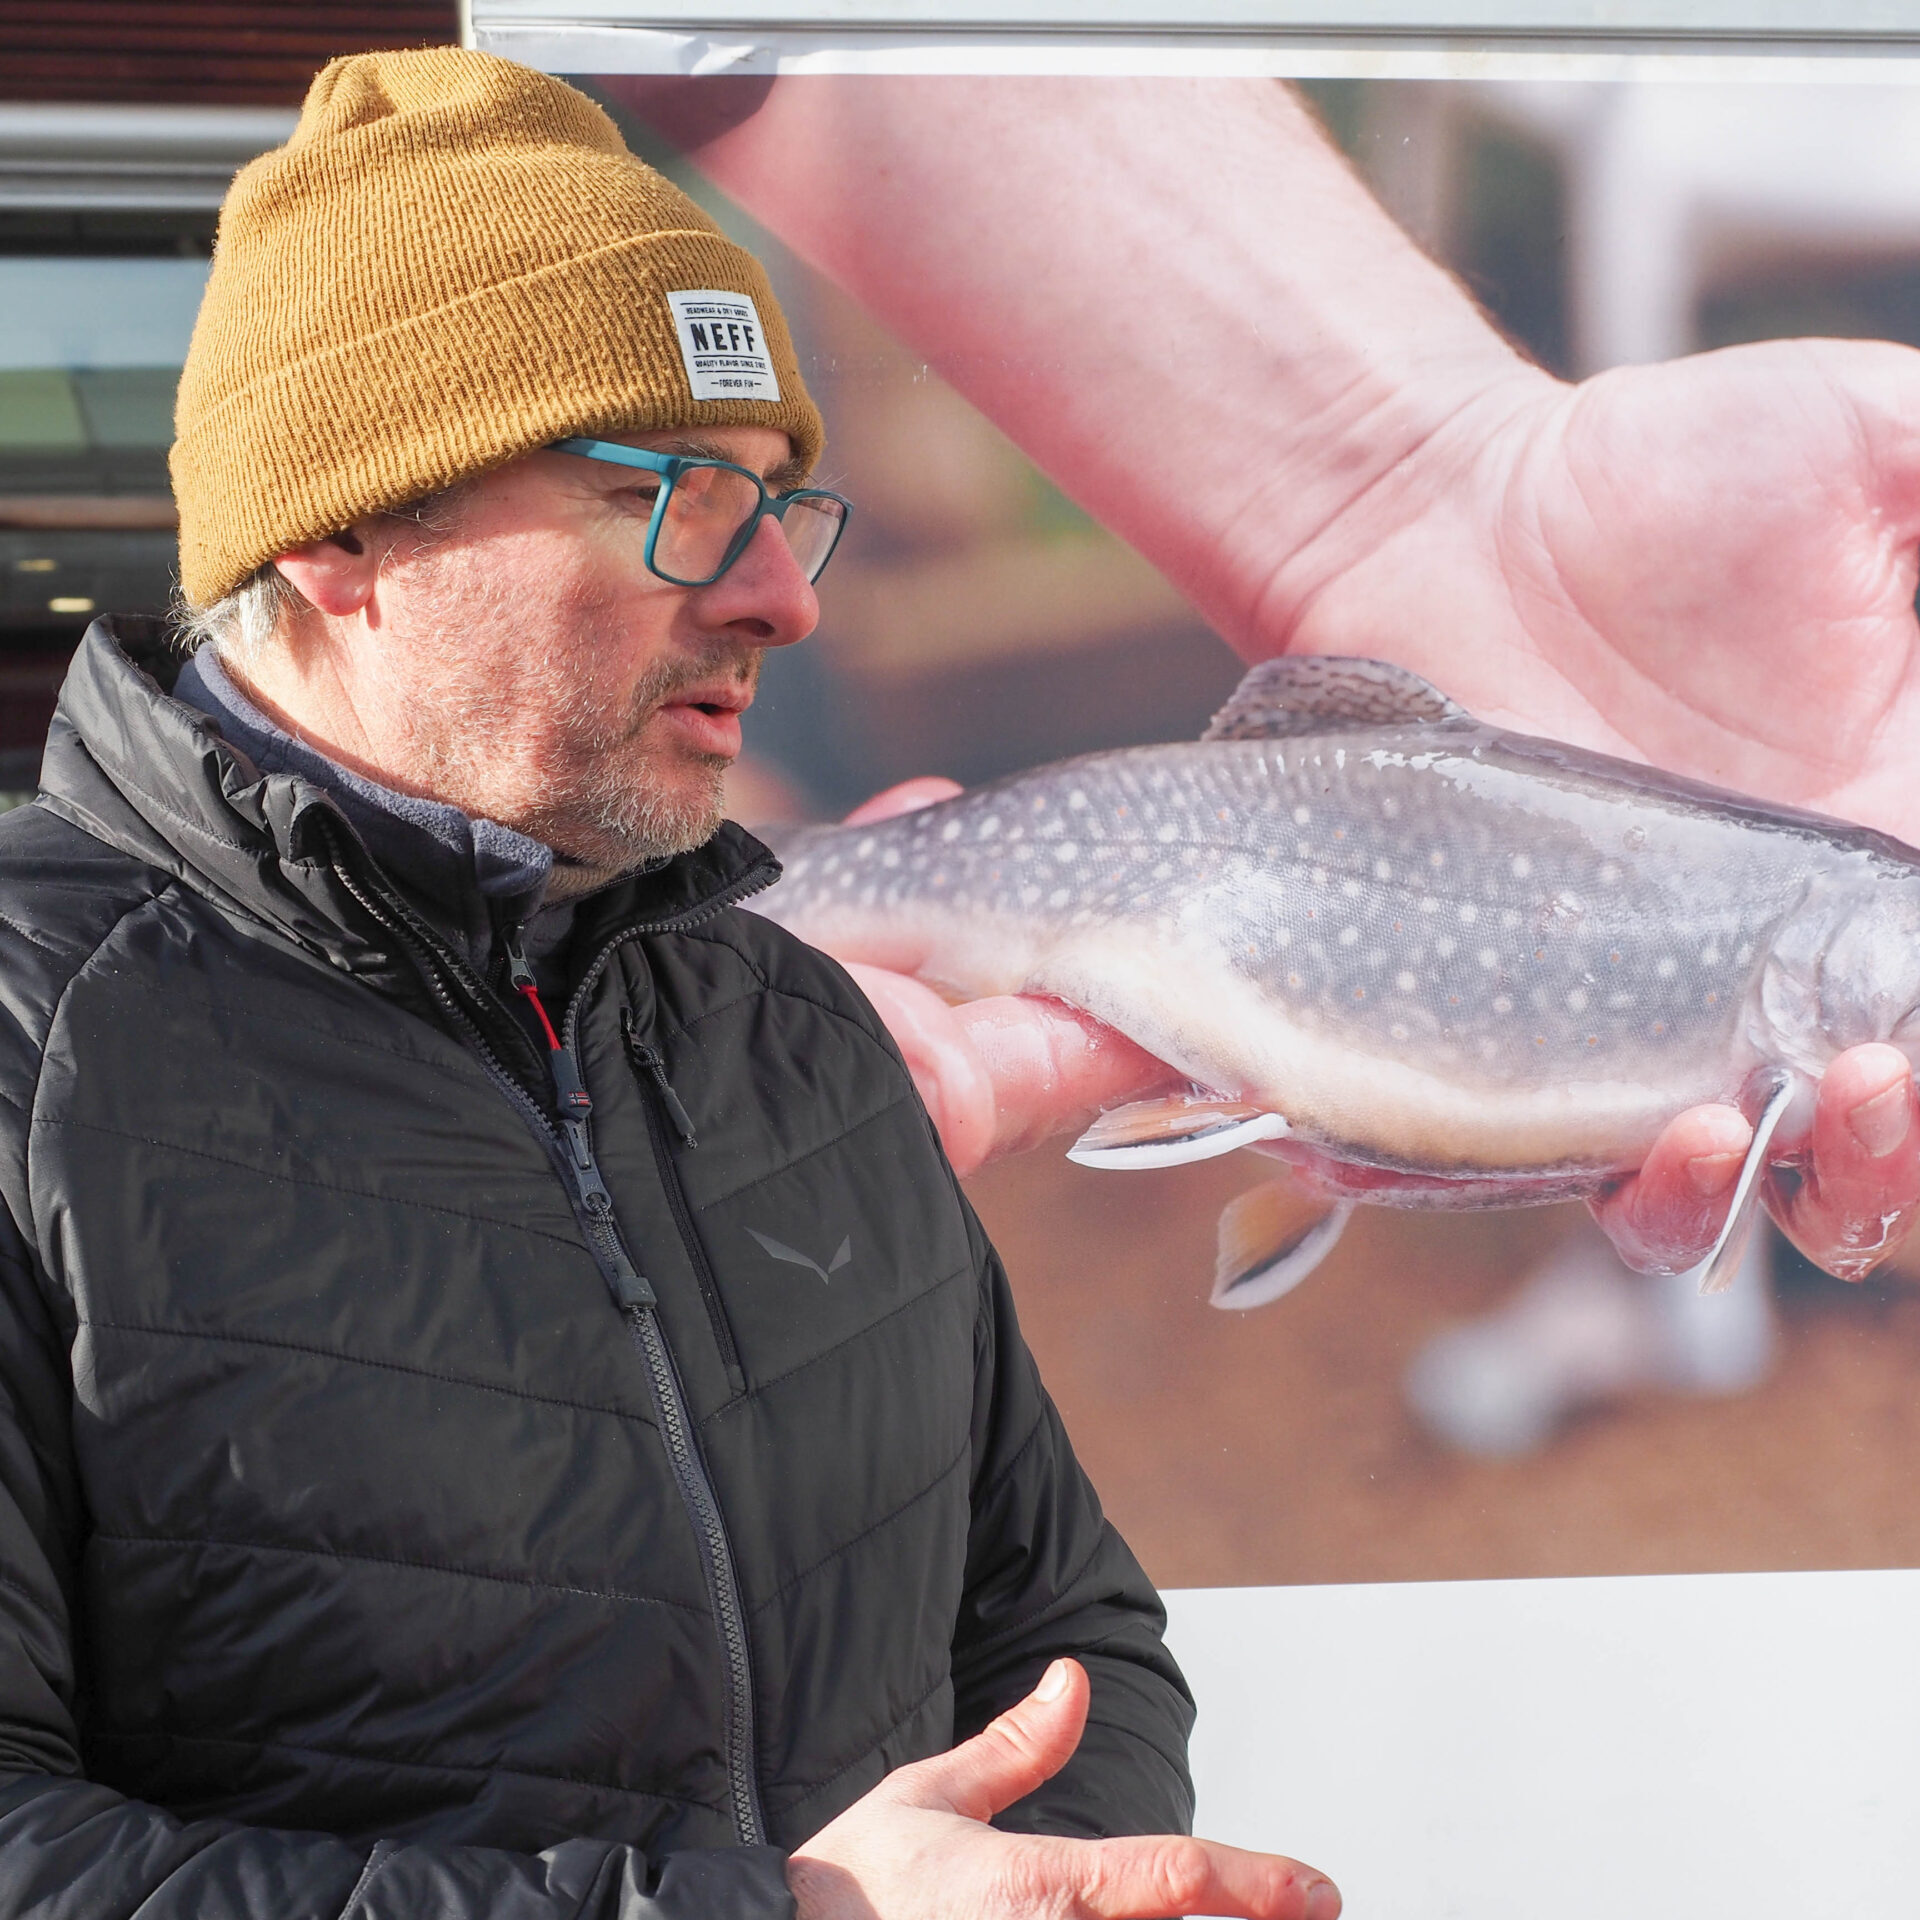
{"points": [[628, 1285], [519, 974], [647, 1057], [569, 1090]]}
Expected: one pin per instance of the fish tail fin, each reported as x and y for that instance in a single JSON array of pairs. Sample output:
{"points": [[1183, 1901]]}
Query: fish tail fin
{"points": [[1716, 1272], [1271, 1237]]}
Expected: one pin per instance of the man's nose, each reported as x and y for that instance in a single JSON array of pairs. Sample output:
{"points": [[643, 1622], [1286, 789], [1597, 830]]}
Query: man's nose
{"points": [[763, 597]]}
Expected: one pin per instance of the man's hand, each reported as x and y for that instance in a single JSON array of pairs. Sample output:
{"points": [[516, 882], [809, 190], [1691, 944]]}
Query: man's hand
{"points": [[918, 1846]]}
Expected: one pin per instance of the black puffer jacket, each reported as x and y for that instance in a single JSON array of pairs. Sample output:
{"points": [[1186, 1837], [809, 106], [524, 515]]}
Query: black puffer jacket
{"points": [[399, 1516]]}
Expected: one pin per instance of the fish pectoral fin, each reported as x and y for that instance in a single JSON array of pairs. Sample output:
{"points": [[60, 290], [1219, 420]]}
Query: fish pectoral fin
{"points": [[1271, 1237], [1717, 1270], [1173, 1130], [1307, 693]]}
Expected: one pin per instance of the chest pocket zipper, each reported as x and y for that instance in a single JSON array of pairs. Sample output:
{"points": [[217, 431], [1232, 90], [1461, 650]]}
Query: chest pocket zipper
{"points": [[664, 1109]]}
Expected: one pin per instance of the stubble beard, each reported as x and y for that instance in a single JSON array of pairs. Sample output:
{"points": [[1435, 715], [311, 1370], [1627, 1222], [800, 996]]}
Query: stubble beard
{"points": [[593, 792]]}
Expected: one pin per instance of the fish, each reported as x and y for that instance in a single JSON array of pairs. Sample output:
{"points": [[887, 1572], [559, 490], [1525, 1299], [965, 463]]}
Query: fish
{"points": [[1422, 960]]}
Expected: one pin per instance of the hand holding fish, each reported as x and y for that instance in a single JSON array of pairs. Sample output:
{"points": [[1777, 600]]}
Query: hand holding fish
{"points": [[1423, 961], [918, 1846]]}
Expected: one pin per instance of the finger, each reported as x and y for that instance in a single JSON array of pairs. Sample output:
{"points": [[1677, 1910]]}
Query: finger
{"points": [[908, 797], [1849, 1203], [1163, 1876], [1053, 1068], [941, 1055], [1667, 1216], [1027, 1745]]}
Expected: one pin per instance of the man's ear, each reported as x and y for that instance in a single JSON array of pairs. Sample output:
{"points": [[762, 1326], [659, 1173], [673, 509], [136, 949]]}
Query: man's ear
{"points": [[336, 575]]}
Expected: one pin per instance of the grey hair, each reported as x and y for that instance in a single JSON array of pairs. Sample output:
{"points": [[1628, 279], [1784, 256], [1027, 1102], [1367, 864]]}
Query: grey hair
{"points": [[240, 626]]}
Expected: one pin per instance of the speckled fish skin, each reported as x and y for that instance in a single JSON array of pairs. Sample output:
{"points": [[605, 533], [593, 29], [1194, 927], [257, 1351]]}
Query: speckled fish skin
{"points": [[1437, 948]]}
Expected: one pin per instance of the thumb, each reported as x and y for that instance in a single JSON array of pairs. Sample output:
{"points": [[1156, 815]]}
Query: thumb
{"points": [[1029, 1743]]}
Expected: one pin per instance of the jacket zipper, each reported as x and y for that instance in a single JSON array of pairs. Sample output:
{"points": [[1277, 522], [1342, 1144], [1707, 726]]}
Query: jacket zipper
{"points": [[666, 1106], [631, 1291]]}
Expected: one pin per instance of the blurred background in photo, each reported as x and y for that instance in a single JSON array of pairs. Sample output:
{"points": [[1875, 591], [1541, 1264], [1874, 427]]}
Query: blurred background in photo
{"points": [[1448, 1397]]}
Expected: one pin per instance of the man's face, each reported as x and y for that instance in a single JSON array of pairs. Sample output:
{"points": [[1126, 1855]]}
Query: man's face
{"points": [[542, 677]]}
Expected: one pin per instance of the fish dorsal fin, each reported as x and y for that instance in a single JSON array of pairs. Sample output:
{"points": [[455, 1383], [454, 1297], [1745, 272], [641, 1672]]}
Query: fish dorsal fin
{"points": [[1318, 693]]}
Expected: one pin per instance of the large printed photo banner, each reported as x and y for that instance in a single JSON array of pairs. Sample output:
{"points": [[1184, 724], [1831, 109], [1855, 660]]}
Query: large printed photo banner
{"points": [[1450, 1395]]}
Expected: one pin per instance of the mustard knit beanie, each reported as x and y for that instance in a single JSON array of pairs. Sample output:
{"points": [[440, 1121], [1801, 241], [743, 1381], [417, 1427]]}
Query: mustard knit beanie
{"points": [[454, 260]]}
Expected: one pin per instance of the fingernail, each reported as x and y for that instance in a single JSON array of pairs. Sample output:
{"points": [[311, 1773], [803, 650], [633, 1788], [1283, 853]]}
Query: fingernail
{"points": [[1053, 1683], [1713, 1173], [1323, 1901], [1881, 1124]]}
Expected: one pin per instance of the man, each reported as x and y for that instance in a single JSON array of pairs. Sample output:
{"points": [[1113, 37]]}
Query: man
{"points": [[506, 1410]]}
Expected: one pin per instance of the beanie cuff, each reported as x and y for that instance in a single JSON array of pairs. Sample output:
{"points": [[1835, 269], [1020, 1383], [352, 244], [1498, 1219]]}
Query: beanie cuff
{"points": [[586, 344]]}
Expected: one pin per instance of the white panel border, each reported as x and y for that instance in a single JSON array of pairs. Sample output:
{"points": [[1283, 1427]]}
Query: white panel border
{"points": [[588, 49], [1671, 1748]]}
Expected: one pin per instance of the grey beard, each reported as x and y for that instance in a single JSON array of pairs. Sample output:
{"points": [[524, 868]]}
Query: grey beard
{"points": [[614, 820]]}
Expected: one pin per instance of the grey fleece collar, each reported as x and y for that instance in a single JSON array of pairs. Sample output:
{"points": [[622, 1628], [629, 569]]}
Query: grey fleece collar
{"points": [[470, 873]]}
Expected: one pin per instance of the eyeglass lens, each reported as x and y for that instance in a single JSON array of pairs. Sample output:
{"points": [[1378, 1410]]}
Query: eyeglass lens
{"points": [[706, 510]]}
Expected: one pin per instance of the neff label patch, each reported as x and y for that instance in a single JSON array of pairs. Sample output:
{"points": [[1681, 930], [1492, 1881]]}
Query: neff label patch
{"points": [[724, 346]]}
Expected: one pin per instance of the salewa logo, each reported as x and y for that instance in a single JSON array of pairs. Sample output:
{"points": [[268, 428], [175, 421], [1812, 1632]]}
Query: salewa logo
{"points": [[842, 1255]]}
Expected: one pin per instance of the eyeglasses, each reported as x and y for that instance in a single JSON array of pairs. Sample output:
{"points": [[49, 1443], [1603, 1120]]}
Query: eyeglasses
{"points": [[707, 511]]}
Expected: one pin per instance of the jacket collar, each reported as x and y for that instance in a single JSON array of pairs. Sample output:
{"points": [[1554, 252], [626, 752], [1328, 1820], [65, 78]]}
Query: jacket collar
{"points": [[153, 777]]}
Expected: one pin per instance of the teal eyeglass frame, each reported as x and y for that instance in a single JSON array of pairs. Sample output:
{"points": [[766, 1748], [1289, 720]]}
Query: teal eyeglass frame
{"points": [[670, 466]]}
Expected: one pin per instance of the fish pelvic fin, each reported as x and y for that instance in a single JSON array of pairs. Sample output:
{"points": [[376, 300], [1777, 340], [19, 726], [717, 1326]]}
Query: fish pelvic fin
{"points": [[1271, 1238], [1716, 1272], [1312, 693], [1172, 1131]]}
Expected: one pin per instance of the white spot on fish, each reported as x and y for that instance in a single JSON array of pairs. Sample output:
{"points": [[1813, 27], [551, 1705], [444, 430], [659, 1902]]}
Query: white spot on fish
{"points": [[1436, 858], [1351, 888], [1168, 832], [1348, 935], [1077, 800], [951, 831], [1066, 851], [1301, 815], [1319, 876], [1489, 959], [1029, 895], [1429, 905], [1509, 918], [1059, 897], [1710, 955], [830, 863], [1577, 1001], [865, 848], [1609, 874], [1502, 1003], [1469, 913], [1405, 981], [1390, 808], [1522, 866], [1444, 946], [1667, 966], [1745, 954], [989, 826], [1619, 1002], [891, 858], [1163, 871], [1283, 937], [1382, 870]]}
